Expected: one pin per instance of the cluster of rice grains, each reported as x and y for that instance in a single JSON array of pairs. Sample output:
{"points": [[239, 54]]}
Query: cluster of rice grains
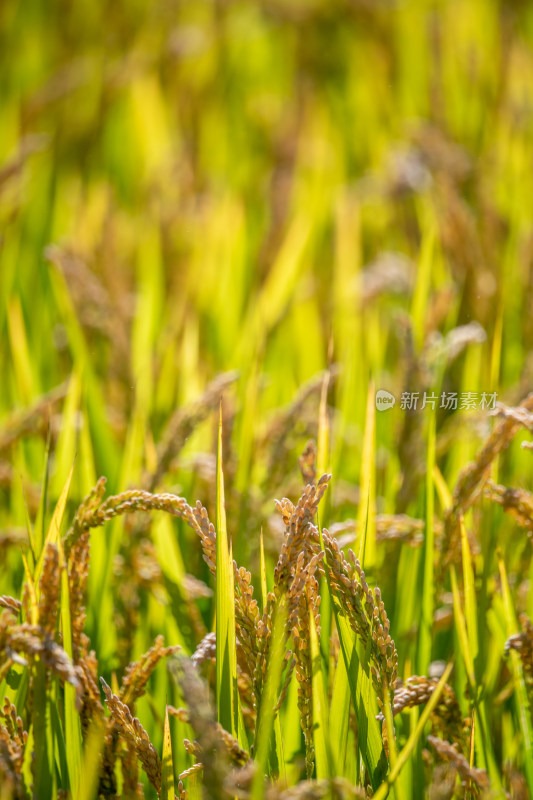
{"points": [[31, 638], [35, 643]]}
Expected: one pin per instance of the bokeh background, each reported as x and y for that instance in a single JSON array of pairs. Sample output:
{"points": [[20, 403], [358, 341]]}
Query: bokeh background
{"points": [[272, 187]]}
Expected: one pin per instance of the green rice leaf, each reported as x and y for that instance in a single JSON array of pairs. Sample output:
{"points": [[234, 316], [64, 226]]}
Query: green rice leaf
{"points": [[364, 702], [522, 705], [53, 534], [226, 658], [167, 765], [324, 766], [365, 516], [73, 734], [94, 743], [269, 699], [339, 720], [414, 738], [427, 605]]}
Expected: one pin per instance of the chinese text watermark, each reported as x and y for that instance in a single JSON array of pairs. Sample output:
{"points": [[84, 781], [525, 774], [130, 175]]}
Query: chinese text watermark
{"points": [[450, 401]]}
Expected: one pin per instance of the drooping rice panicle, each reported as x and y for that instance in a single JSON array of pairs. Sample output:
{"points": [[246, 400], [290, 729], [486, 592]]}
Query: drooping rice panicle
{"points": [[301, 532], [519, 414], [389, 527], [11, 603], [337, 788], [78, 573], [205, 651], [49, 590], [137, 674], [307, 463], [21, 641], [34, 420], [209, 748], [446, 716], [95, 512], [182, 424], [304, 599], [474, 476], [13, 739], [134, 735], [516, 502], [468, 775], [277, 436], [523, 644], [365, 612], [96, 309]]}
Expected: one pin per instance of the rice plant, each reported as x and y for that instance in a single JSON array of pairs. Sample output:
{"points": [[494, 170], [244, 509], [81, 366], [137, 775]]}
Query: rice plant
{"points": [[266, 418]]}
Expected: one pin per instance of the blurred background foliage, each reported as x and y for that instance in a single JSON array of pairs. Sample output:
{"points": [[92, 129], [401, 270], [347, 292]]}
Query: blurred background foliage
{"points": [[238, 184], [270, 187]]}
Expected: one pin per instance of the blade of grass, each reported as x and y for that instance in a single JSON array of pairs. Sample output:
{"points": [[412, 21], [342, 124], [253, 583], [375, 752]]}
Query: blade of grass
{"points": [[292, 733], [226, 657], [462, 633], [523, 709], [54, 527], [391, 737], [43, 736], [365, 516], [423, 278], [269, 699], [322, 466], [167, 765], [32, 590], [324, 766], [36, 532], [426, 622], [65, 449], [90, 768], [20, 352], [73, 734], [364, 702], [483, 742], [195, 786], [412, 742], [59, 738], [470, 593], [262, 570], [339, 721]]}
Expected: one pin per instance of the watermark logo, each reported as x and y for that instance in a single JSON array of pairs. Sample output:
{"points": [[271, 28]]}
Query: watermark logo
{"points": [[451, 401], [384, 400]]}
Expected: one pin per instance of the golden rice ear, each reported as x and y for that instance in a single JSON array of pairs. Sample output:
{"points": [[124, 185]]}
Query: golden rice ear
{"points": [[137, 674], [301, 534], [523, 644], [448, 752], [11, 603], [365, 613], [209, 747], [474, 476], [134, 736], [276, 440], [307, 463], [304, 600], [49, 590], [78, 574], [13, 739], [518, 503], [182, 424], [35, 419], [446, 717]]}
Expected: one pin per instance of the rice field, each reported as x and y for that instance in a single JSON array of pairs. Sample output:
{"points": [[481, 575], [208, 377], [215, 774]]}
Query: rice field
{"points": [[266, 400]]}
